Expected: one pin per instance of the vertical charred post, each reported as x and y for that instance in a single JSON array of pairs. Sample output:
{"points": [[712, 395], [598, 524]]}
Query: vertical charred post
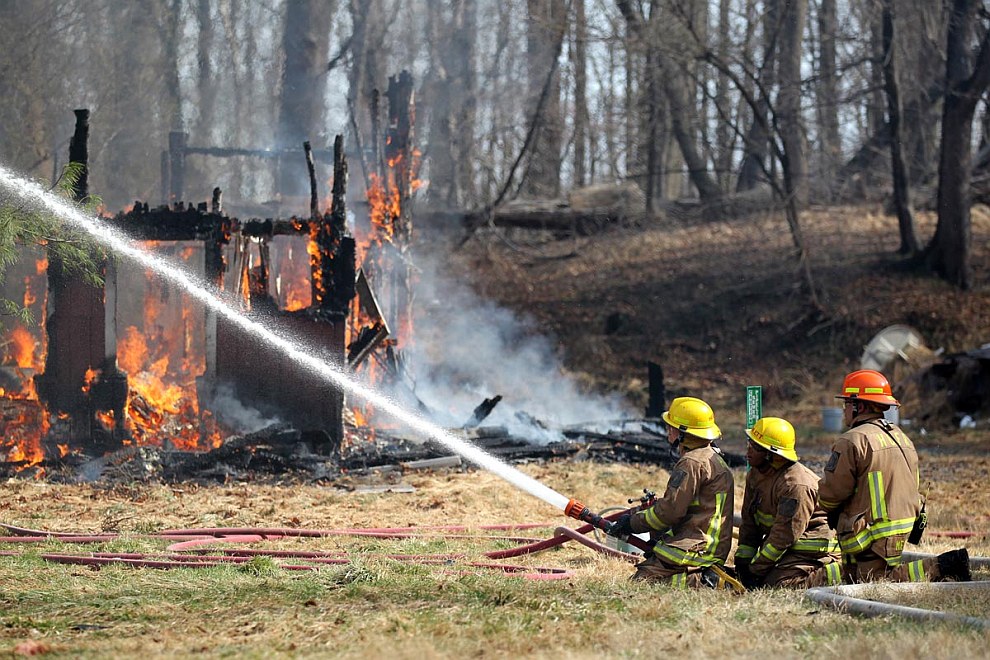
{"points": [[398, 141], [398, 155], [344, 262], [76, 317]]}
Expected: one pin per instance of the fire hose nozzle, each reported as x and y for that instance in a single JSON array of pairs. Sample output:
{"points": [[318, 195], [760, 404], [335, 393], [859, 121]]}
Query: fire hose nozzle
{"points": [[575, 509]]}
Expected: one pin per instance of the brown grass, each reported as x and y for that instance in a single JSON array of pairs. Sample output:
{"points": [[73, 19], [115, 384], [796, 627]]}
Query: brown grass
{"points": [[376, 607]]}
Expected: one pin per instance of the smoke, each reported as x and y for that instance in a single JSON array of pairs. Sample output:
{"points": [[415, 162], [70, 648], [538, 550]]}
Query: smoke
{"points": [[466, 349], [231, 414]]}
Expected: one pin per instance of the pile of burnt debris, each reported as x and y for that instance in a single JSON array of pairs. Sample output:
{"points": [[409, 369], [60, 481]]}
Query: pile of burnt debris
{"points": [[280, 453]]}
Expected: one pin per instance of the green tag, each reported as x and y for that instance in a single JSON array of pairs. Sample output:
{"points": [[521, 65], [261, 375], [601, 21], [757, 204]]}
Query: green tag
{"points": [[754, 404]]}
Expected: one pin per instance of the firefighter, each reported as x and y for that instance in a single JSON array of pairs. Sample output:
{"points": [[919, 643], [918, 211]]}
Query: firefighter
{"points": [[691, 524], [784, 538], [870, 491]]}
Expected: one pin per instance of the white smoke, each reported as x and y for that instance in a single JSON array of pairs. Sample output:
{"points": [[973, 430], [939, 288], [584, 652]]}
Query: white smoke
{"points": [[466, 349], [231, 414]]}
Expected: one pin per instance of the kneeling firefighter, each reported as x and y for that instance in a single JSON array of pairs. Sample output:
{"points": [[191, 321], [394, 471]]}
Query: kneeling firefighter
{"points": [[870, 491], [784, 539], [691, 525]]}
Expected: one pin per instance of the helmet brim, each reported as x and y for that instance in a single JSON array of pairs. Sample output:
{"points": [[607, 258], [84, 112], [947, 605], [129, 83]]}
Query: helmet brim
{"points": [[882, 399]]}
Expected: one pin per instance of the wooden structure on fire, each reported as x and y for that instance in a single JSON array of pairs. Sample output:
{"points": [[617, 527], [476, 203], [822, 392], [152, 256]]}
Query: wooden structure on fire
{"points": [[83, 336], [81, 323]]}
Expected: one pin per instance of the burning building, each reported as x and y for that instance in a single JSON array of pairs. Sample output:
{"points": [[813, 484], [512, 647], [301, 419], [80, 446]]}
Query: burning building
{"points": [[137, 362]]}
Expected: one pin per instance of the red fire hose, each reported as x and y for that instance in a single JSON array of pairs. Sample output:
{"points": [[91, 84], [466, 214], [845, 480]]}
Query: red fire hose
{"points": [[188, 550]]}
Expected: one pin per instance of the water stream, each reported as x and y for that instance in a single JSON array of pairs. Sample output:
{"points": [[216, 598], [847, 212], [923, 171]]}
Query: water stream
{"points": [[32, 194]]}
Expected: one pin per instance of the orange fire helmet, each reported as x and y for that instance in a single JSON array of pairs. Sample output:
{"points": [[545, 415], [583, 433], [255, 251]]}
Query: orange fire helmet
{"points": [[867, 385]]}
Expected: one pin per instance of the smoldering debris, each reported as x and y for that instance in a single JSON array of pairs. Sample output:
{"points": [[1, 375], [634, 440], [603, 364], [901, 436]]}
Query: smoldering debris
{"points": [[282, 453]]}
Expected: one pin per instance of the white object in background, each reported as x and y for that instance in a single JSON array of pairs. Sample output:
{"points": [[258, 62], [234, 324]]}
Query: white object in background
{"points": [[892, 415], [894, 341], [967, 422]]}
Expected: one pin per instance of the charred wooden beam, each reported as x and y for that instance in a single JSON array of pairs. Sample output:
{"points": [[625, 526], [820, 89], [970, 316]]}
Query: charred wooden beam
{"points": [[367, 340], [483, 410]]}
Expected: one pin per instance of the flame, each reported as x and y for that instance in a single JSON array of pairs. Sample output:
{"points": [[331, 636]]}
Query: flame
{"points": [[23, 345], [88, 379], [162, 360]]}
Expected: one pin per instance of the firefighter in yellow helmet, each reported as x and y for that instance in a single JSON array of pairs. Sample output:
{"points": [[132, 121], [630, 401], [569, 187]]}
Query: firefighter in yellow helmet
{"points": [[691, 524], [870, 491], [784, 537]]}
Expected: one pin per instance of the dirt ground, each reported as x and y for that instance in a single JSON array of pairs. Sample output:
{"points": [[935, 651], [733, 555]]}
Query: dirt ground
{"points": [[720, 306]]}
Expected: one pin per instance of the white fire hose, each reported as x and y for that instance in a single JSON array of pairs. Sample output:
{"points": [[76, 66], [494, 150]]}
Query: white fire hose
{"points": [[851, 598]]}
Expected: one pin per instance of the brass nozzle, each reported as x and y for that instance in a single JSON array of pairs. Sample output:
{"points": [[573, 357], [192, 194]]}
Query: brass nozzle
{"points": [[574, 509]]}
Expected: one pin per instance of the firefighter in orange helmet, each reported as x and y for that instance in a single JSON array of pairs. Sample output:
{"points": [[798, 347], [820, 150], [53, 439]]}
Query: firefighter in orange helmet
{"points": [[691, 524], [784, 538], [870, 491]]}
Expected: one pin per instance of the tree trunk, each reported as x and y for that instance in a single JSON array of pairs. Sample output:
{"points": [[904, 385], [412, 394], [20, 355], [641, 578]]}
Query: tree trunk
{"points": [[902, 184], [437, 101], [205, 82], [675, 85], [305, 45], [580, 62], [751, 171], [546, 22], [948, 254], [465, 38], [875, 108], [789, 97], [828, 104], [724, 135]]}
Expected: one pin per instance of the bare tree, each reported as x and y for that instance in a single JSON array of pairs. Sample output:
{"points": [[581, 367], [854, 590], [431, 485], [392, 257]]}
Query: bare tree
{"points": [[546, 21], [579, 59], [901, 176], [827, 95], [967, 77], [305, 43], [789, 99]]}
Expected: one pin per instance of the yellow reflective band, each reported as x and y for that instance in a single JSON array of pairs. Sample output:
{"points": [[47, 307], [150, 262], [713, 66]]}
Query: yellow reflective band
{"points": [[916, 571], [878, 500], [707, 556], [823, 546], [833, 574], [851, 390], [828, 504], [873, 390], [763, 519], [745, 552], [857, 543], [653, 520], [772, 553], [679, 580]]}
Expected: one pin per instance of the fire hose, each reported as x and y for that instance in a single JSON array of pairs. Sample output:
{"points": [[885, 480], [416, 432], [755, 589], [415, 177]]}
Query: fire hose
{"points": [[189, 547]]}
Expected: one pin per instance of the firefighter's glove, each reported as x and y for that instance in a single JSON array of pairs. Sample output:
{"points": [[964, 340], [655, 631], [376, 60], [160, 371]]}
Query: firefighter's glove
{"points": [[621, 527]]}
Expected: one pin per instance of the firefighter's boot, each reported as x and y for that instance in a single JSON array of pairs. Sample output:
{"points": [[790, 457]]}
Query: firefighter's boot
{"points": [[954, 565]]}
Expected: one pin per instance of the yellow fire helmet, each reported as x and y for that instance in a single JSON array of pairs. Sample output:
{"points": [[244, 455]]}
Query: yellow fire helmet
{"points": [[692, 416], [775, 435]]}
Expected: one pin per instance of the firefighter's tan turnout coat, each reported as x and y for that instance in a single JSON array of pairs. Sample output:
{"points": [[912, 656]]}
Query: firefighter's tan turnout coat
{"points": [[872, 480], [781, 518], [693, 519]]}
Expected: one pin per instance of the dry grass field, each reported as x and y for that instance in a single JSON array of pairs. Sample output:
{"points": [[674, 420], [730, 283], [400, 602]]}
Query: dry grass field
{"points": [[374, 606]]}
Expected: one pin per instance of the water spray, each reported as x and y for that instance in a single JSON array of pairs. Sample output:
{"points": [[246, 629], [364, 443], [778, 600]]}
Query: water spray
{"points": [[32, 193]]}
